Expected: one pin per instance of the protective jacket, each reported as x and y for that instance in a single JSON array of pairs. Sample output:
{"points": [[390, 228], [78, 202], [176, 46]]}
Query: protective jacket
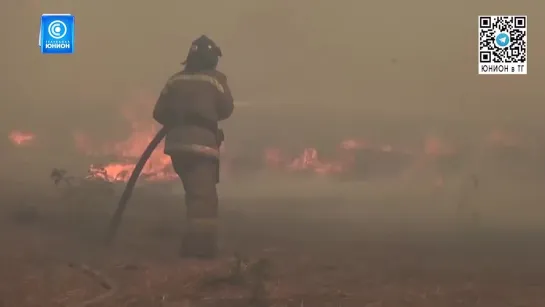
{"points": [[191, 104]]}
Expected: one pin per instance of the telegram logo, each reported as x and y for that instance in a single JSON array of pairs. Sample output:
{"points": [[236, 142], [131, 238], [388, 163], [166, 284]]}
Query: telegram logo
{"points": [[503, 40]]}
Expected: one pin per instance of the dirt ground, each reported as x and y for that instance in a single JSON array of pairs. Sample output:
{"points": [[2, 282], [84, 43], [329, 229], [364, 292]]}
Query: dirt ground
{"points": [[317, 250]]}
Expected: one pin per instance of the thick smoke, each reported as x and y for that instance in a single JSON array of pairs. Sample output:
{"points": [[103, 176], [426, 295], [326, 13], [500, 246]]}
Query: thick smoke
{"points": [[311, 71]]}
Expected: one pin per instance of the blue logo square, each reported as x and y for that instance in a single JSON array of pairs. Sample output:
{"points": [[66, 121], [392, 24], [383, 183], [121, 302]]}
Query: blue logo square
{"points": [[57, 34]]}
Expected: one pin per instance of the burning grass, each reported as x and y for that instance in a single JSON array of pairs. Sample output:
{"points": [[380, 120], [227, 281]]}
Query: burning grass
{"points": [[346, 158], [351, 159], [390, 245]]}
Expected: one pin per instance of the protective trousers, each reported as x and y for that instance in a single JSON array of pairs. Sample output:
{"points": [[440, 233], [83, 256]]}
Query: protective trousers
{"points": [[199, 178]]}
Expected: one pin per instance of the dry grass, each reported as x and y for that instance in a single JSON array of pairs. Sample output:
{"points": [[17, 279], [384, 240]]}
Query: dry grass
{"points": [[284, 252]]}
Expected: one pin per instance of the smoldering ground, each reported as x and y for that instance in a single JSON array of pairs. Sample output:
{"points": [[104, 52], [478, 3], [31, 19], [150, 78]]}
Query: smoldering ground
{"points": [[393, 243], [314, 73]]}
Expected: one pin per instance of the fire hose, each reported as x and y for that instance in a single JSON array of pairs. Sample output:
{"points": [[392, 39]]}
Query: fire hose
{"points": [[129, 188], [115, 222]]}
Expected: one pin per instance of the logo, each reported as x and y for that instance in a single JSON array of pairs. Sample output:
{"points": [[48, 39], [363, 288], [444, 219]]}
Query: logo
{"points": [[503, 40], [57, 29], [57, 34]]}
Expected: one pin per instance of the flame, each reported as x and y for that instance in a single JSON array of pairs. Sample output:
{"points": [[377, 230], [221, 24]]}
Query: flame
{"points": [[274, 158], [310, 161], [307, 161], [126, 152], [435, 147], [20, 138]]}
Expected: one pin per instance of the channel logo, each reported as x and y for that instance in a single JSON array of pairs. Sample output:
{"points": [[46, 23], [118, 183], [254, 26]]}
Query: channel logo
{"points": [[57, 34]]}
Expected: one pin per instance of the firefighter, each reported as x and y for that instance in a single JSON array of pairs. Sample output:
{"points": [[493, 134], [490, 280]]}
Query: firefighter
{"points": [[191, 104]]}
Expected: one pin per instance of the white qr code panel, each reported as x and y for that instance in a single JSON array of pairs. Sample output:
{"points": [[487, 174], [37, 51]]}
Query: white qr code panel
{"points": [[503, 45]]}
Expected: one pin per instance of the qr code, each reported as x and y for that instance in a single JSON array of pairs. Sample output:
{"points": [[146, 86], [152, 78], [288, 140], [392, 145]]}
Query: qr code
{"points": [[503, 39]]}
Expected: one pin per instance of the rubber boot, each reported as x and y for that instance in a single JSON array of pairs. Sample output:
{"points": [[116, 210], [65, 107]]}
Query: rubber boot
{"points": [[200, 239]]}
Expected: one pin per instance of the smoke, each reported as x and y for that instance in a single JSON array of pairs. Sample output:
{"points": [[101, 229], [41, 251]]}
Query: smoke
{"points": [[311, 71], [417, 56]]}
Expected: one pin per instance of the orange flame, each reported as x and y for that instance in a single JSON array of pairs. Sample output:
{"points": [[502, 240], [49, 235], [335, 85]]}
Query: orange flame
{"points": [[127, 151], [20, 138], [310, 160], [434, 146]]}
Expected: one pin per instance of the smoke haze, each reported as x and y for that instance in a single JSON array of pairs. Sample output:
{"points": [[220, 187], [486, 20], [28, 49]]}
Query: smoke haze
{"points": [[366, 164], [386, 69], [417, 56]]}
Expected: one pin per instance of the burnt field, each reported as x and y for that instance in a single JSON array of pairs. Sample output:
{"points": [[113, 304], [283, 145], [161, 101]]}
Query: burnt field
{"points": [[360, 167], [346, 219], [286, 242]]}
